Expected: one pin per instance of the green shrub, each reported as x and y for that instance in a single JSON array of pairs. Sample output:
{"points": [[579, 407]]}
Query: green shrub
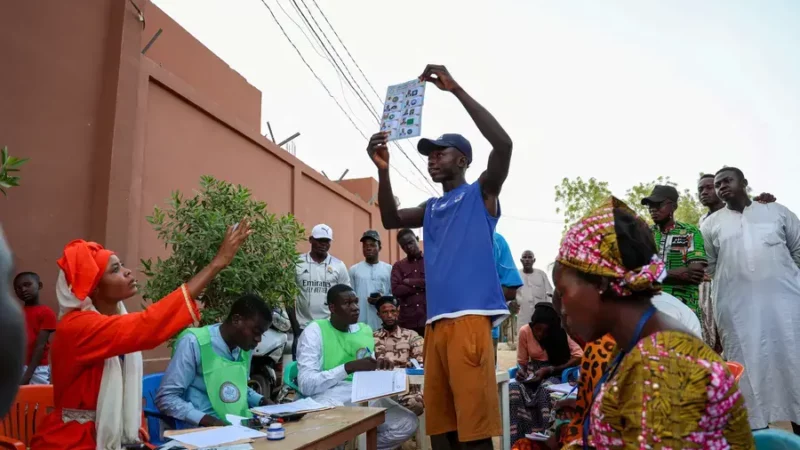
{"points": [[193, 229]]}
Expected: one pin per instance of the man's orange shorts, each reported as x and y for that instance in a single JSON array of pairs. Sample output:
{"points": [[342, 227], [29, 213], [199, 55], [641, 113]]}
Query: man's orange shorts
{"points": [[460, 384]]}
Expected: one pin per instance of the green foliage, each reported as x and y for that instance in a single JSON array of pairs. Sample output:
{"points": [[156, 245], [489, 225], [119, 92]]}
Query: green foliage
{"points": [[9, 165], [578, 198], [193, 228], [689, 208]]}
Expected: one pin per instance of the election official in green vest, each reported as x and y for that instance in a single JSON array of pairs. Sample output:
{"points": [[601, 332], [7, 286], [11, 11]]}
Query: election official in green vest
{"points": [[331, 350], [207, 376]]}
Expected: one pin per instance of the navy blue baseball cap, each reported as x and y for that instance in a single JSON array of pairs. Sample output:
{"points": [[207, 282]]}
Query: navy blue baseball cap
{"points": [[457, 141]]}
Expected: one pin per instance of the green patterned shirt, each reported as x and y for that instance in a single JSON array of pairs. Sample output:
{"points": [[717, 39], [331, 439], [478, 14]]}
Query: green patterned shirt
{"points": [[679, 247]]}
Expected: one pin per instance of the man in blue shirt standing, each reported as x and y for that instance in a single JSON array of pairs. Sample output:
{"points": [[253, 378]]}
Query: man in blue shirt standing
{"points": [[510, 281], [464, 296]]}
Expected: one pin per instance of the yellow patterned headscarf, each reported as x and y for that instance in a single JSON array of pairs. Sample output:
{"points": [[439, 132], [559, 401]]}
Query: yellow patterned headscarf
{"points": [[590, 246]]}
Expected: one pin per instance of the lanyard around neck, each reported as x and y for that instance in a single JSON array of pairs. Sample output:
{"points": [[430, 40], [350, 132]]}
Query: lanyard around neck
{"points": [[612, 370]]}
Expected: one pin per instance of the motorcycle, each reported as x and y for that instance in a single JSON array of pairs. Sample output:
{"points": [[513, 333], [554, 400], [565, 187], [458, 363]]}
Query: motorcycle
{"points": [[266, 367]]}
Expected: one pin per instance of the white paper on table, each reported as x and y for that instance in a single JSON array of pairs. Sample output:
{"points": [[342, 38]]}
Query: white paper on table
{"points": [[563, 388], [377, 384], [218, 436], [299, 406], [233, 419], [415, 363], [402, 110]]}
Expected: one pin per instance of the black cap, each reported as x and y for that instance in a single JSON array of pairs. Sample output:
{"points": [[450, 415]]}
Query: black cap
{"points": [[385, 299], [661, 193], [371, 234], [426, 146]]}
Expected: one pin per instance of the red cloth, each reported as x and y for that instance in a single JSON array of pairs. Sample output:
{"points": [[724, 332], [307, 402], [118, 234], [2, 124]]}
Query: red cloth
{"points": [[82, 342], [84, 263], [38, 318]]}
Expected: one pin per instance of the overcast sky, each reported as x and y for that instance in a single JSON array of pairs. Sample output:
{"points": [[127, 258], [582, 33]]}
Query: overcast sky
{"points": [[623, 91]]}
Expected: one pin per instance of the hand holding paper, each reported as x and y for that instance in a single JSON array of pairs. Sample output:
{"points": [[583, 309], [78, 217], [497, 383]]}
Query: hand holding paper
{"points": [[440, 76]]}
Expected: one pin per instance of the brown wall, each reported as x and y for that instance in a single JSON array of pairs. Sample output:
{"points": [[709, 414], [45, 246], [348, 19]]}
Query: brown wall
{"points": [[111, 133]]}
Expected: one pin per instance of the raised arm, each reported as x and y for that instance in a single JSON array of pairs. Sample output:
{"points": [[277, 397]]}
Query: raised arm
{"points": [[391, 216], [492, 178], [98, 337]]}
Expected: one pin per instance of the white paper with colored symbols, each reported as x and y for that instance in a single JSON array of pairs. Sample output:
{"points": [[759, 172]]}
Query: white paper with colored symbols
{"points": [[402, 111]]}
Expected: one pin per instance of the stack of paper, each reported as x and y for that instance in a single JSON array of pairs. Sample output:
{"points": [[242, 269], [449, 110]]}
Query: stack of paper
{"points": [[214, 437], [563, 388], [303, 405], [380, 383]]}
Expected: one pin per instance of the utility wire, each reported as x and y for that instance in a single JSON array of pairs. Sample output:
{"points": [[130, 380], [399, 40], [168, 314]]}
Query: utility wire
{"points": [[315, 46], [358, 91], [277, 22], [380, 98]]}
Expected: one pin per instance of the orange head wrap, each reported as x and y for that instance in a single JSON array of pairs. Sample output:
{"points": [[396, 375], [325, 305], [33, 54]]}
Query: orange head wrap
{"points": [[83, 264]]}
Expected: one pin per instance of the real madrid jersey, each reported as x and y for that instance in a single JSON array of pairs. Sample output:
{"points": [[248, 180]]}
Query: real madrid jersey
{"points": [[314, 279]]}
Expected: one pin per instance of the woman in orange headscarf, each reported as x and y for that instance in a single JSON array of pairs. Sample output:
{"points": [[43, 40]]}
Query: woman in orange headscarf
{"points": [[96, 360]]}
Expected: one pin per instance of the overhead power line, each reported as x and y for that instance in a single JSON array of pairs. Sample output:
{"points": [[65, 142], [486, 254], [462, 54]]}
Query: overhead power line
{"points": [[300, 54], [357, 90]]}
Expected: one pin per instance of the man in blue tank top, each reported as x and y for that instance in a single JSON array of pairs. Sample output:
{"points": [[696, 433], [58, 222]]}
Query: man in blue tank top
{"points": [[463, 289]]}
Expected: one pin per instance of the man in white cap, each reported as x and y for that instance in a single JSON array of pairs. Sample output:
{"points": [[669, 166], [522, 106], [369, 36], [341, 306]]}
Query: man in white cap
{"points": [[316, 272]]}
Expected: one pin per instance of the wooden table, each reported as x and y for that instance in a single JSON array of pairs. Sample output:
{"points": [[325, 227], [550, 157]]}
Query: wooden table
{"points": [[324, 430], [502, 378]]}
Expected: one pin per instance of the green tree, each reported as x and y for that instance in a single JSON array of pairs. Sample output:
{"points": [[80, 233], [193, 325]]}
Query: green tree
{"points": [[689, 208], [193, 229], [577, 198], [8, 166]]}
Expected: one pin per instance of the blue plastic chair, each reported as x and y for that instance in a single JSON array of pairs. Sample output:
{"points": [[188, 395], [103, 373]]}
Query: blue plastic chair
{"points": [[154, 417], [512, 372], [772, 439], [565, 375]]}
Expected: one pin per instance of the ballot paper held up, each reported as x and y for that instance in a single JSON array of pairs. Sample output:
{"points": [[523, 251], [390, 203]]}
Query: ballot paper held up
{"points": [[303, 405], [218, 436], [402, 111], [377, 384]]}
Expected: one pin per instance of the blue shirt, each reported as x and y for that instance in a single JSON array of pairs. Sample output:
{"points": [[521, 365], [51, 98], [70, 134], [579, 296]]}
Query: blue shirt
{"points": [[183, 393], [506, 269], [460, 273]]}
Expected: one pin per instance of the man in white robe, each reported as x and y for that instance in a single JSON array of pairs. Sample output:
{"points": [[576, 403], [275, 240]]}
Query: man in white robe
{"points": [[754, 258]]}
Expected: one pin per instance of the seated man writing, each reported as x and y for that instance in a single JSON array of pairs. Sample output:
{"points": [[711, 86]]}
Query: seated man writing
{"points": [[399, 346], [207, 377], [327, 358]]}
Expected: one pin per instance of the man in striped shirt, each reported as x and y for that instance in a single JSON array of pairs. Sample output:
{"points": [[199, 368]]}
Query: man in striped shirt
{"points": [[680, 245]]}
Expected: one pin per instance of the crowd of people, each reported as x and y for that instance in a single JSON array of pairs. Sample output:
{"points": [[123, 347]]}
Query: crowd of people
{"points": [[648, 314]]}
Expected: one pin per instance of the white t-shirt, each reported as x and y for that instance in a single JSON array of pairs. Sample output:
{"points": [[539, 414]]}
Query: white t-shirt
{"points": [[314, 280], [675, 308]]}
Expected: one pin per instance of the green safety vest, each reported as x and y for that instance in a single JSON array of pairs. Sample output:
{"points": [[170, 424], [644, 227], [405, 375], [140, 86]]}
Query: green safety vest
{"points": [[226, 380], [339, 348]]}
